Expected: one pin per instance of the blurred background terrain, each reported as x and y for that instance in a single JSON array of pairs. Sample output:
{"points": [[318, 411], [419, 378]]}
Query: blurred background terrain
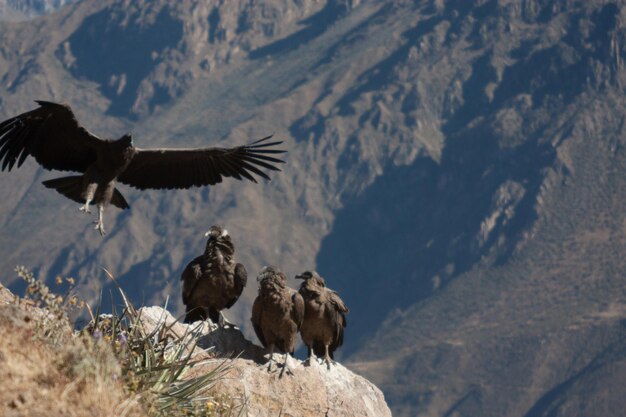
{"points": [[455, 171]]}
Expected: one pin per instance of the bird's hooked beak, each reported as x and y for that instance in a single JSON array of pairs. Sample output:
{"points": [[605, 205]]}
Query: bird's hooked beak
{"points": [[305, 275]]}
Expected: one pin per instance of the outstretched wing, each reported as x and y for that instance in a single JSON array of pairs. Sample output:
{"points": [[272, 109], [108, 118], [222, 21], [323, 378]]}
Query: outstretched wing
{"points": [[185, 168], [52, 135]]}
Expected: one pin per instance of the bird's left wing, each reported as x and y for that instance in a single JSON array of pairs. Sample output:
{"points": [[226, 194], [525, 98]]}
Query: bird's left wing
{"points": [[240, 279], [185, 168], [339, 308], [297, 314], [336, 315]]}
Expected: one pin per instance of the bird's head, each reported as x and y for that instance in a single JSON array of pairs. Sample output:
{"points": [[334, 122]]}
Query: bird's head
{"points": [[308, 275], [312, 276], [216, 231], [266, 272]]}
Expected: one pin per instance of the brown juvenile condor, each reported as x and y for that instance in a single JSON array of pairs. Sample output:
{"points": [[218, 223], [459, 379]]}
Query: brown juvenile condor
{"points": [[213, 281], [324, 317], [277, 314], [52, 135]]}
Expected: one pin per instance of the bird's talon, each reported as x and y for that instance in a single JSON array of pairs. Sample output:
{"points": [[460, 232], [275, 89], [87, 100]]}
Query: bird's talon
{"points": [[267, 366], [100, 228], [286, 370]]}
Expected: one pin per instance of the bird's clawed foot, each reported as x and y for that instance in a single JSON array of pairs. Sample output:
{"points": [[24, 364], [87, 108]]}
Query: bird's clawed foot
{"points": [[286, 368], [100, 222], [310, 361], [223, 322], [85, 208], [100, 227], [270, 361], [268, 366], [328, 361]]}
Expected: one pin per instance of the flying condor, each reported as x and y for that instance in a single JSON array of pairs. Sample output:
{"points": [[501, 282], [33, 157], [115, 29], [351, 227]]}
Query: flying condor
{"points": [[52, 135]]}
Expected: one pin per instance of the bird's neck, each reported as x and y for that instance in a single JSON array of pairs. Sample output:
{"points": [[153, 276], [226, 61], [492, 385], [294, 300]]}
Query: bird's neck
{"points": [[224, 250]]}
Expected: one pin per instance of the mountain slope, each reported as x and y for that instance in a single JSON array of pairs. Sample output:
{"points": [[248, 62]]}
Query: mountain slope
{"points": [[17, 10], [537, 315]]}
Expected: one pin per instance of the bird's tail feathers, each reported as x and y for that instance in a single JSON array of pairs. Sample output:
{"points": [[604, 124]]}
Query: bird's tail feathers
{"points": [[319, 349], [71, 187], [118, 200]]}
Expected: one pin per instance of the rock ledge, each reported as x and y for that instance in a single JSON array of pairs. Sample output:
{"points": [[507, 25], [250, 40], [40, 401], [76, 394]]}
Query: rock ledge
{"points": [[311, 390]]}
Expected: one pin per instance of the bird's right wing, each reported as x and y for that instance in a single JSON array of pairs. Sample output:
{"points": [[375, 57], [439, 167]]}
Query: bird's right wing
{"points": [[256, 320], [190, 278], [186, 168], [52, 135]]}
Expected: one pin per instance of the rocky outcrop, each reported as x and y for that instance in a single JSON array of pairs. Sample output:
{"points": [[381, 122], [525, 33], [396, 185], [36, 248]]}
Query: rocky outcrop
{"points": [[313, 390]]}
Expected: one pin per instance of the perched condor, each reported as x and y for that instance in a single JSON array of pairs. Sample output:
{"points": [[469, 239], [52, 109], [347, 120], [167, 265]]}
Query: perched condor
{"points": [[277, 314], [324, 317], [213, 281], [52, 135]]}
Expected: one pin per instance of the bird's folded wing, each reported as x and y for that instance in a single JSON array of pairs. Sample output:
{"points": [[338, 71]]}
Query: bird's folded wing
{"points": [[336, 317], [52, 135], [334, 298], [185, 168], [339, 310], [297, 313], [257, 310]]}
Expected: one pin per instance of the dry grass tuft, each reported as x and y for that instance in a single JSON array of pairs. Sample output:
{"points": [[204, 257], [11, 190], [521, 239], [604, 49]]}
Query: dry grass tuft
{"points": [[112, 368]]}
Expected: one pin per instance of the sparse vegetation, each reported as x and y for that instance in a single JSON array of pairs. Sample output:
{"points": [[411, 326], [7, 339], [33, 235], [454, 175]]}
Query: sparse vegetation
{"points": [[114, 365]]}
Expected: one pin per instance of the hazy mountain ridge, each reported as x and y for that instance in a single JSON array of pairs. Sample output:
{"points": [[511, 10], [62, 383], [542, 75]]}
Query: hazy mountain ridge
{"points": [[16, 10], [439, 151]]}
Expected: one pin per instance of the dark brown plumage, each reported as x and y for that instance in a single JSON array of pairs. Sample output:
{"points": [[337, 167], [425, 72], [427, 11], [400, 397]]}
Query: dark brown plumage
{"points": [[213, 281], [277, 313], [324, 316], [52, 135]]}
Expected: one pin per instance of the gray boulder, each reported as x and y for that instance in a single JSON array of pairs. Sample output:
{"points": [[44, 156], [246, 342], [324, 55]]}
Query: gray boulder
{"points": [[314, 390]]}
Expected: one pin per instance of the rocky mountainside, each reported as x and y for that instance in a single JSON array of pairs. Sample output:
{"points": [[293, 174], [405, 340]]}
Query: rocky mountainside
{"points": [[16, 10], [454, 170]]}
